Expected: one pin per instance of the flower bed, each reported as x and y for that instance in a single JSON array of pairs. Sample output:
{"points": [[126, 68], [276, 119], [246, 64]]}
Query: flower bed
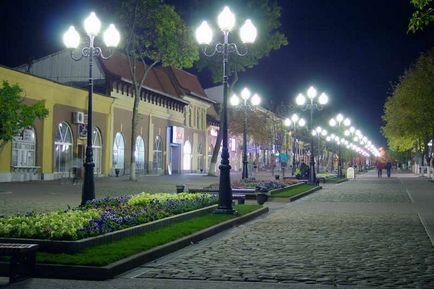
{"points": [[102, 216], [263, 186]]}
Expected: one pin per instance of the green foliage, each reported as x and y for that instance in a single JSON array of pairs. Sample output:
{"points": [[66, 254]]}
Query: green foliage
{"points": [[15, 114], [408, 116], [423, 15], [154, 31], [265, 15], [101, 255]]}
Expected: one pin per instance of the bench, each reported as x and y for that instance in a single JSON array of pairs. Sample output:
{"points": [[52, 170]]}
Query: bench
{"points": [[22, 255], [237, 194]]}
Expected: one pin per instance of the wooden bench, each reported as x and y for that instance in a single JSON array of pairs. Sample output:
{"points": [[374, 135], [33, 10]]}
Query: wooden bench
{"points": [[23, 259], [237, 194]]}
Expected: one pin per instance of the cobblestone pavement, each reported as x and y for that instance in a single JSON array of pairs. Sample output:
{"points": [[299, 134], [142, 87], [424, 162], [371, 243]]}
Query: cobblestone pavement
{"points": [[363, 233]]}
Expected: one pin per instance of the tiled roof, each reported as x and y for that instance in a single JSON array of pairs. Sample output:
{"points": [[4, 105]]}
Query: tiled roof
{"points": [[117, 66]]}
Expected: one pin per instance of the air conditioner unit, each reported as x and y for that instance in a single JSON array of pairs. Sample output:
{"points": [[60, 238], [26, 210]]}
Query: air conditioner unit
{"points": [[78, 117]]}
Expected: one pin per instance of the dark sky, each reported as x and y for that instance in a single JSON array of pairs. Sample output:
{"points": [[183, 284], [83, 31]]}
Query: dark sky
{"points": [[352, 50]]}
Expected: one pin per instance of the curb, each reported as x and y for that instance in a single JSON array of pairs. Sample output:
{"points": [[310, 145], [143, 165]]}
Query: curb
{"points": [[109, 271], [296, 197]]}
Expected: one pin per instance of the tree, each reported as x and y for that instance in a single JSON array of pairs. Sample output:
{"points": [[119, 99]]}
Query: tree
{"points": [[408, 117], [15, 114], [423, 15], [153, 34], [266, 16]]}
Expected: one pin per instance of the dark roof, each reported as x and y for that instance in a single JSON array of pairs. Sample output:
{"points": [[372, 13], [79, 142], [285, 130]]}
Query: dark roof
{"points": [[169, 80], [117, 67]]}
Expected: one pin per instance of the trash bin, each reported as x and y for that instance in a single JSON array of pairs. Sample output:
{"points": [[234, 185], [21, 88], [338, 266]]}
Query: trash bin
{"points": [[180, 189]]}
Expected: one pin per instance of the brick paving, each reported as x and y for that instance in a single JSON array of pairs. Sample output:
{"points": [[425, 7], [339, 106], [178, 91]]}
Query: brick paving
{"points": [[333, 237]]}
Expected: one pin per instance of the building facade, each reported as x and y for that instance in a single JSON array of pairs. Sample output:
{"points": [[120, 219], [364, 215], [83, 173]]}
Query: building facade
{"points": [[173, 127]]}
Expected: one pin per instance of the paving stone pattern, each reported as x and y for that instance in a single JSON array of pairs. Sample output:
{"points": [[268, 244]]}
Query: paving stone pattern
{"points": [[296, 245]]}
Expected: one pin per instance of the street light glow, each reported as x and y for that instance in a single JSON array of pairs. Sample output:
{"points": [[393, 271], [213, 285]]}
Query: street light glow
{"points": [[92, 25], [300, 99], [248, 32], [204, 33], [71, 38], [255, 100], [226, 19], [311, 92], [245, 93], [235, 100], [323, 99], [111, 36]]}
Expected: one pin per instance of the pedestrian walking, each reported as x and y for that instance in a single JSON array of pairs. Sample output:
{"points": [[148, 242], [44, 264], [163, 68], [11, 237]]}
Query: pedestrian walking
{"points": [[380, 167], [272, 164], [388, 168]]}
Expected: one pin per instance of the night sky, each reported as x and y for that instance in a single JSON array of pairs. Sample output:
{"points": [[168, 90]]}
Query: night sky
{"points": [[352, 50]]}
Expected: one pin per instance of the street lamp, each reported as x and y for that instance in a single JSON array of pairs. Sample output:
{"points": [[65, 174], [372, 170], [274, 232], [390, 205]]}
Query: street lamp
{"points": [[254, 101], [336, 122], [71, 39], [319, 131], [295, 121], [226, 21], [313, 103]]}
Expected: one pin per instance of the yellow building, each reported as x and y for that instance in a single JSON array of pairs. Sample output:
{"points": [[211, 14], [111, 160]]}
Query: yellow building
{"points": [[173, 124]]}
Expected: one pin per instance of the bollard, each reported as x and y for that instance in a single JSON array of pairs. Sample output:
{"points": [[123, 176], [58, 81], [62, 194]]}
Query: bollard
{"points": [[180, 189]]}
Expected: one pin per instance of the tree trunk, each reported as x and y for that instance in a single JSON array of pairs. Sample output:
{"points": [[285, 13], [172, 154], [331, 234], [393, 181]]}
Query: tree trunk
{"points": [[134, 127]]}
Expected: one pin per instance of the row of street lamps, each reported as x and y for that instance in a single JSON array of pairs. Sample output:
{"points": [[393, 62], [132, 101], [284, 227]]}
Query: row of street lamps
{"points": [[204, 36]]}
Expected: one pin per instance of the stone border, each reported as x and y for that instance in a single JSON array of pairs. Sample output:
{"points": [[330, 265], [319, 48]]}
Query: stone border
{"points": [[118, 267], [295, 197], [56, 246]]}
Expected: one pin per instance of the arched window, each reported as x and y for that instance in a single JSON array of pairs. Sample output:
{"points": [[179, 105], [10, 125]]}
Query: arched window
{"points": [[140, 154], [157, 163], [200, 164], [97, 150], [187, 156], [63, 148], [24, 148], [118, 151]]}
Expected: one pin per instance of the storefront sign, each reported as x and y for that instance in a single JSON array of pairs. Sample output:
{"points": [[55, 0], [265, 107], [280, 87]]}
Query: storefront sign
{"points": [[177, 135], [82, 130]]}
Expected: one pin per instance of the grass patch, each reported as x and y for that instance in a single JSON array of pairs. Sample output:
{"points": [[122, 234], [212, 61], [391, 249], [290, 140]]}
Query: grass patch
{"points": [[293, 191], [105, 254], [336, 180]]}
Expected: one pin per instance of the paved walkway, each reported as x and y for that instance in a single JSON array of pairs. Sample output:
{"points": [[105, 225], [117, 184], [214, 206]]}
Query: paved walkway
{"points": [[365, 233]]}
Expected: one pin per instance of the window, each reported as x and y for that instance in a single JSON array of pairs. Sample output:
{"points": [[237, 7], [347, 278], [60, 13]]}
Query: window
{"points": [[140, 154], [97, 150], [63, 148], [118, 151], [157, 163], [24, 148], [187, 156]]}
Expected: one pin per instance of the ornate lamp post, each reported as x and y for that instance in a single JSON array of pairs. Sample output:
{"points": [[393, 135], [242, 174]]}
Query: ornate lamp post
{"points": [[295, 122], [314, 103], [226, 21], [319, 131], [235, 101], [337, 121], [71, 39]]}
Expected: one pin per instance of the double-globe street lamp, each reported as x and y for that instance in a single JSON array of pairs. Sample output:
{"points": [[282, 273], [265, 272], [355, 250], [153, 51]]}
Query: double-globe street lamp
{"points": [[336, 122], [312, 103], [295, 121], [319, 131], [254, 101], [204, 35], [71, 39]]}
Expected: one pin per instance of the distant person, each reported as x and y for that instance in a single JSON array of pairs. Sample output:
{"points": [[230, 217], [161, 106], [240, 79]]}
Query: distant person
{"points": [[380, 168], [272, 164], [388, 168]]}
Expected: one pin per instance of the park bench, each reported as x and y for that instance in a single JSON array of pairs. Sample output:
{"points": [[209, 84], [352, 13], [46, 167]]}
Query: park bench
{"points": [[23, 259], [237, 194]]}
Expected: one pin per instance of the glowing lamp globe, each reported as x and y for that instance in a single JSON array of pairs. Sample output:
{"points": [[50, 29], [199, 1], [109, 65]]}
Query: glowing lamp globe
{"points": [[71, 38], [111, 36], [204, 33], [92, 25], [248, 32], [226, 19], [235, 100], [256, 100]]}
